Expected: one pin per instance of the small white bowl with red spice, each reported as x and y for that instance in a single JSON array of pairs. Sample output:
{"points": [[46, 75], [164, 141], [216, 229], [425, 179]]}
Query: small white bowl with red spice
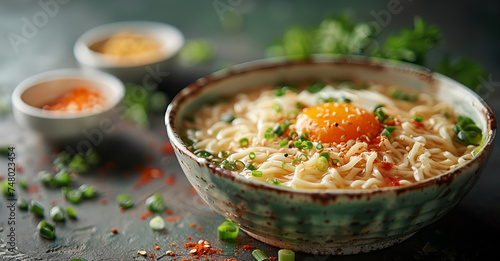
{"points": [[134, 51], [68, 104]]}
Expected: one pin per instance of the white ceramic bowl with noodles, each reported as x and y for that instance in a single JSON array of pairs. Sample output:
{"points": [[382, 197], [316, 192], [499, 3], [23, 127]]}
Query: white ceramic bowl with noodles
{"points": [[344, 221]]}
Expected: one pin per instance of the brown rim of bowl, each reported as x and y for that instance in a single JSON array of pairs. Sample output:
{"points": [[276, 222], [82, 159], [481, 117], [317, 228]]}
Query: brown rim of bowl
{"points": [[266, 64]]}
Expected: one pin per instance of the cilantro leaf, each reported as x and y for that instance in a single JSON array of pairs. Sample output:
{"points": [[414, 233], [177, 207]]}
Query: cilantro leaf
{"points": [[411, 45]]}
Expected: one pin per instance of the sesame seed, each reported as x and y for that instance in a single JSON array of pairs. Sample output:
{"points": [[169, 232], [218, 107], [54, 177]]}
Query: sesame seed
{"points": [[358, 129], [343, 137], [342, 129]]}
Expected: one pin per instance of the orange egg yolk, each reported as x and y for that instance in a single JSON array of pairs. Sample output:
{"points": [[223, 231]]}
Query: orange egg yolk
{"points": [[335, 122]]}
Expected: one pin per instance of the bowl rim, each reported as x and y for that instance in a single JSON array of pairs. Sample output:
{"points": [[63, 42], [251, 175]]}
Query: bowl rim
{"points": [[324, 195], [105, 80], [88, 57]]}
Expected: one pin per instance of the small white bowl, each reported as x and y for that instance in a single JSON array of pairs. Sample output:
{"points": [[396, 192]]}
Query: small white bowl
{"points": [[169, 38], [41, 89]]}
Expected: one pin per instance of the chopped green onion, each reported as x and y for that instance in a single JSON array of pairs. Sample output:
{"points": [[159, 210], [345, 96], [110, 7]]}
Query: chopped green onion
{"points": [[325, 154], [257, 173], [23, 184], [244, 142], [316, 87], [293, 134], [335, 162], [283, 165], [227, 231], [344, 99], [251, 167], [71, 212], [223, 154], [277, 107], [282, 91], [78, 164], [203, 154], [74, 195], [239, 165], [298, 105], [273, 181], [46, 230], [252, 155], [418, 118], [303, 157], [36, 209], [124, 200], [62, 178], [297, 144], [380, 113], [7, 188], [155, 203], [283, 143], [286, 255], [269, 134], [387, 131], [304, 136], [157, 223], [295, 161], [56, 213], [400, 95], [307, 144], [322, 164], [87, 191], [319, 146], [46, 178], [259, 255], [228, 118], [22, 204], [279, 129]]}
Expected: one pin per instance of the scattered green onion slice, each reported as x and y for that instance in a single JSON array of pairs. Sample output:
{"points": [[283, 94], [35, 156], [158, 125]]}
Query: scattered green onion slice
{"points": [[71, 212], [273, 181], [203, 154], [87, 191], [251, 167], [387, 131], [298, 105], [380, 113], [62, 178], [295, 161], [269, 134], [277, 107], [36, 209], [303, 157], [124, 200], [56, 213], [259, 255], [46, 178], [244, 142], [227, 231], [322, 164], [286, 255], [155, 203], [335, 161], [157, 223], [297, 144], [283, 165], [418, 118], [78, 164], [283, 143], [252, 155], [239, 165], [74, 195], [46, 230], [325, 154], [22, 204], [257, 173], [304, 136], [316, 87], [228, 118], [319, 146], [23, 184]]}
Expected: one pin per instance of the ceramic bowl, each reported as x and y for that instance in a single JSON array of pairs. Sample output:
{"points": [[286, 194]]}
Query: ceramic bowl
{"points": [[333, 222], [148, 71], [42, 89]]}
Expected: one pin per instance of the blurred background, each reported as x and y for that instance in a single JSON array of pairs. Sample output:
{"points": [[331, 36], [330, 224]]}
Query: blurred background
{"points": [[37, 36]]}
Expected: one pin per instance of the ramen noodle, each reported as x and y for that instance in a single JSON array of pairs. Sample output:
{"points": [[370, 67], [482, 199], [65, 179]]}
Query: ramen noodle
{"points": [[329, 135]]}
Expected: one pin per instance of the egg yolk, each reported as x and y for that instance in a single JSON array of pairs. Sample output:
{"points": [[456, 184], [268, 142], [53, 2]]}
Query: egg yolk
{"points": [[335, 122]]}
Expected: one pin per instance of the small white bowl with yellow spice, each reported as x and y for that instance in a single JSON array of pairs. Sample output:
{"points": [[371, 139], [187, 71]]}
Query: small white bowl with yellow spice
{"points": [[134, 51], [68, 104]]}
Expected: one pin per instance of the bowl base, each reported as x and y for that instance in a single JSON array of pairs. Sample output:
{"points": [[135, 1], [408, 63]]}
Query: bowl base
{"points": [[358, 247]]}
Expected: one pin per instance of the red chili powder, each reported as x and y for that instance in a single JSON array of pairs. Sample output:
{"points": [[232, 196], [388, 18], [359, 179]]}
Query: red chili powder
{"points": [[147, 174], [79, 99]]}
